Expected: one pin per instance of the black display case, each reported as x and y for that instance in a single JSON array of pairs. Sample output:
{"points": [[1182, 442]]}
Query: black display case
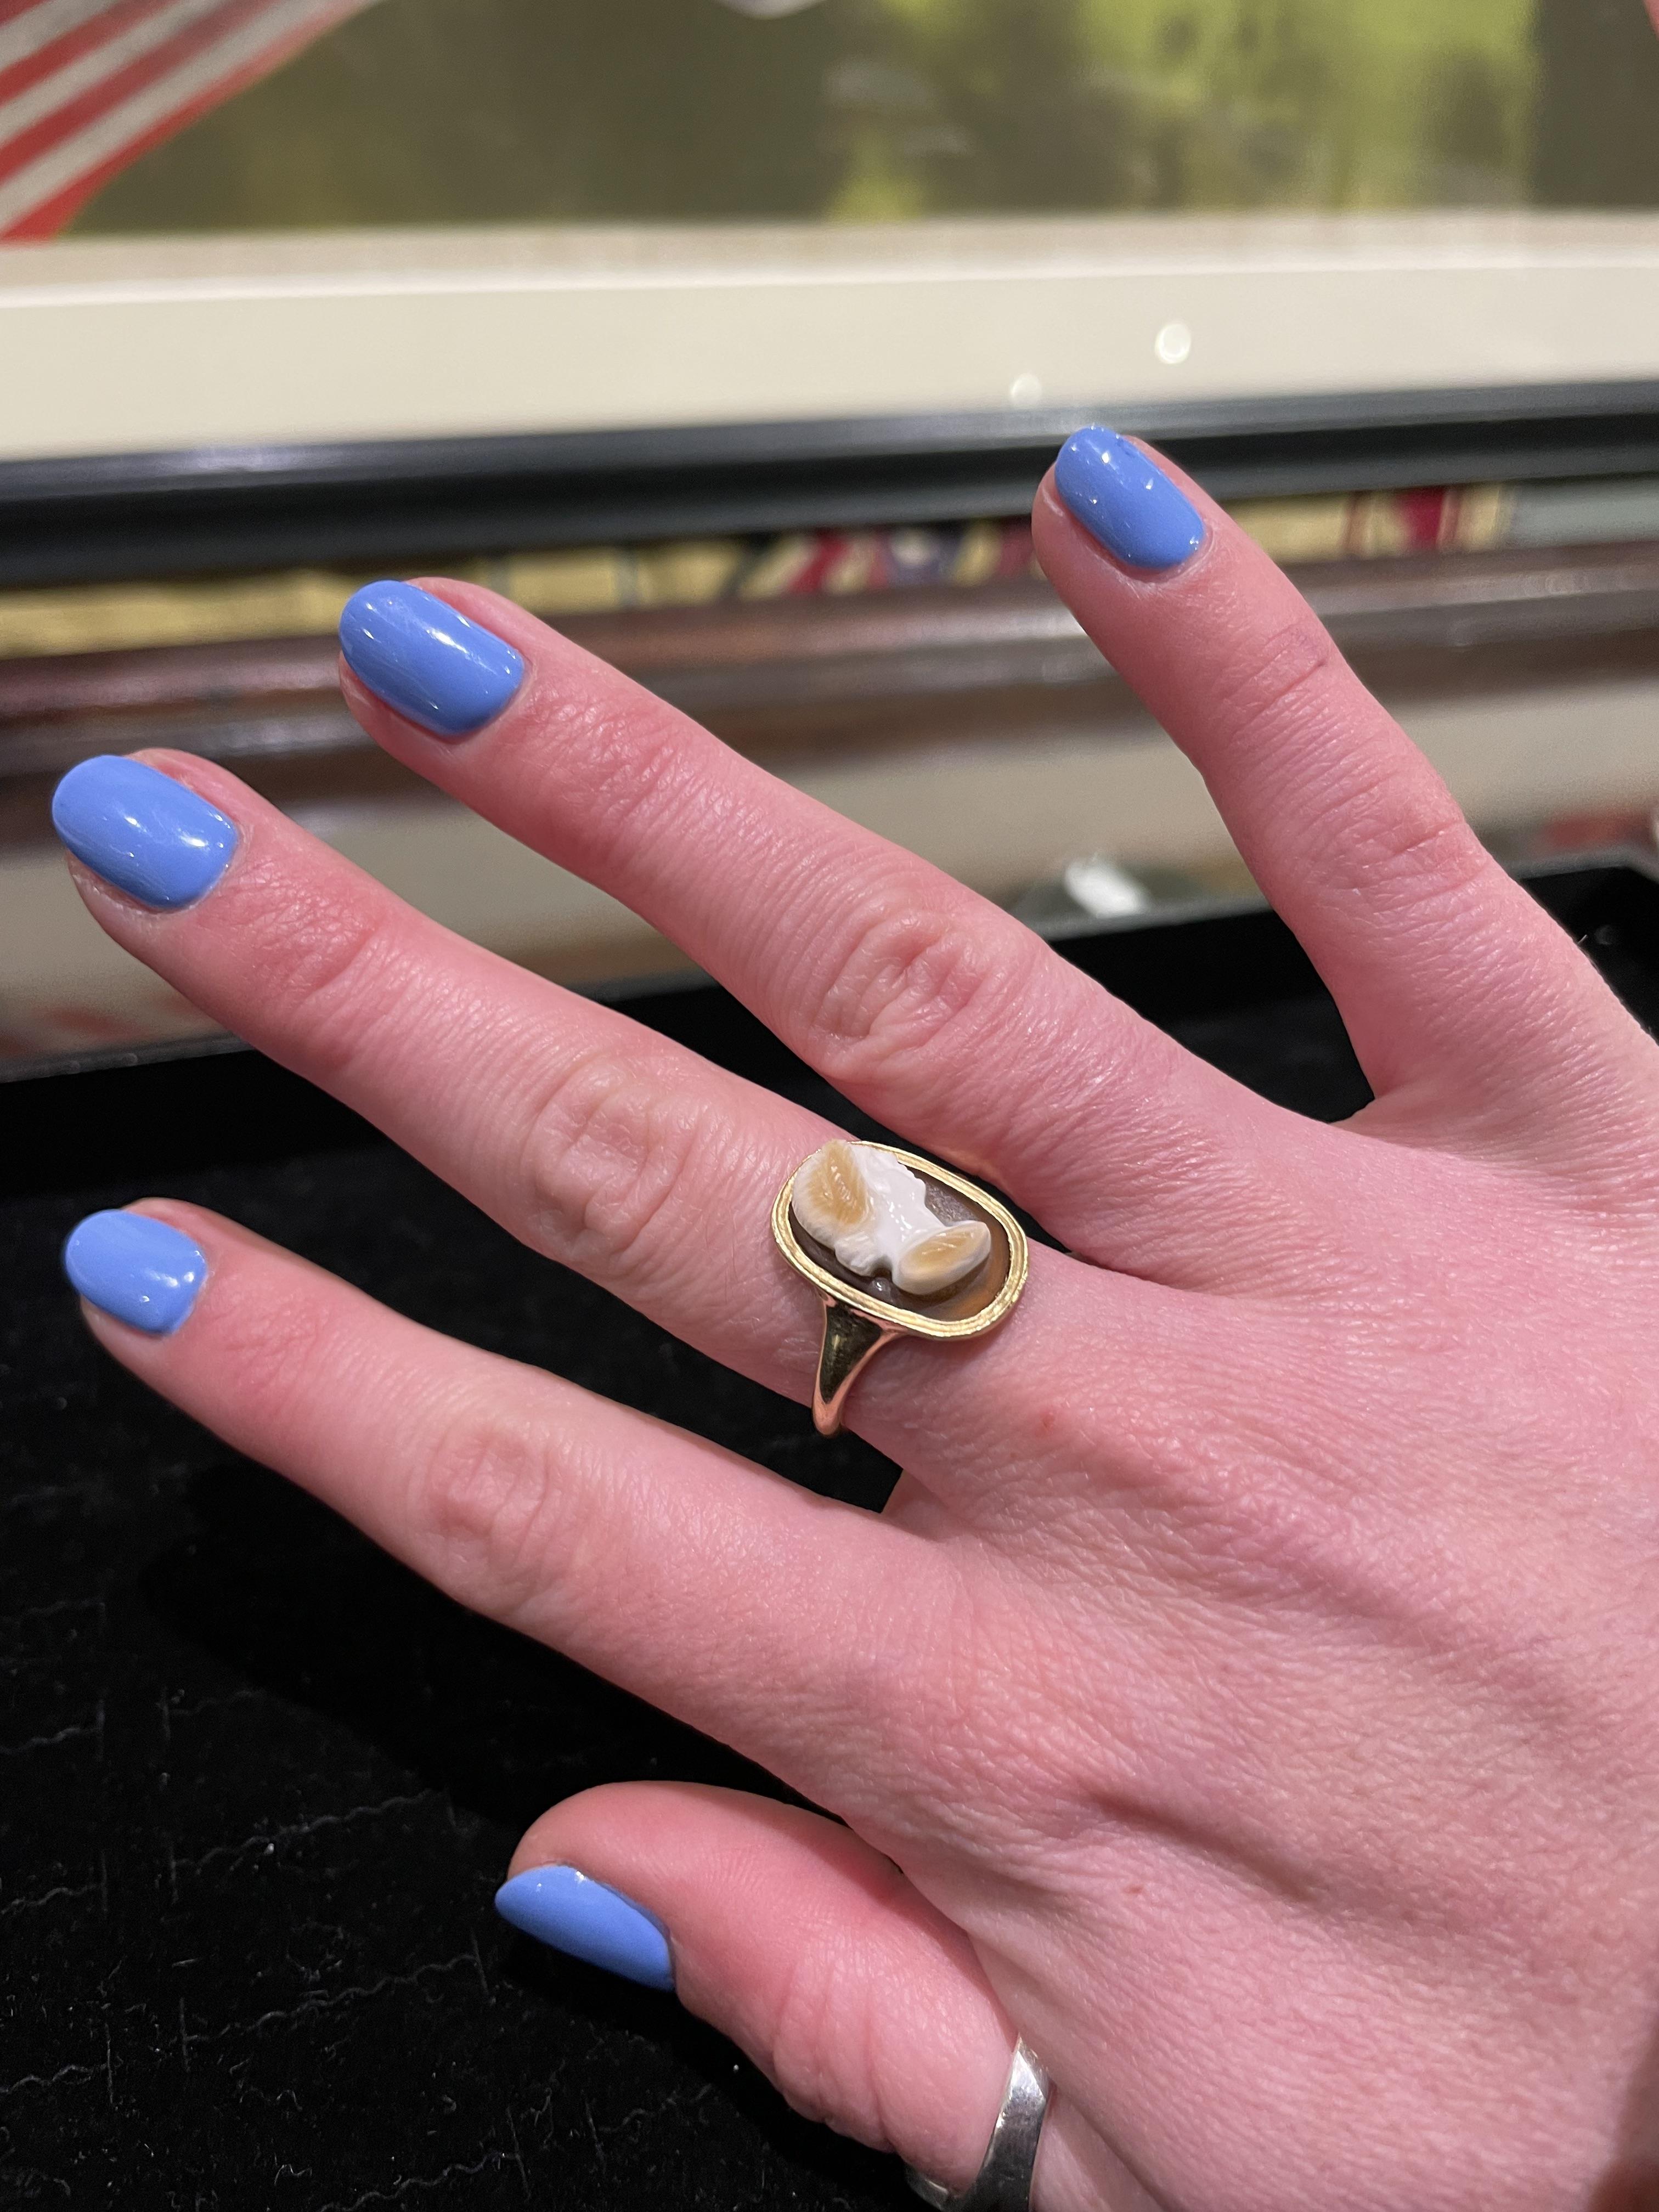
{"points": [[258, 1783]]}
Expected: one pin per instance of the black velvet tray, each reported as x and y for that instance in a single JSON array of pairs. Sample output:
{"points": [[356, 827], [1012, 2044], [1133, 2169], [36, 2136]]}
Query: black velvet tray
{"points": [[258, 1785]]}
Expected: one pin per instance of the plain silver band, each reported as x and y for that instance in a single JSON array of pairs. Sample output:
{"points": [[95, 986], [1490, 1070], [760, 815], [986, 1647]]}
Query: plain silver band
{"points": [[1004, 2182]]}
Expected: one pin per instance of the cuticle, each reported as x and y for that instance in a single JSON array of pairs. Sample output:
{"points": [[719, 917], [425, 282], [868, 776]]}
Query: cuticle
{"points": [[1182, 568], [568, 1866]]}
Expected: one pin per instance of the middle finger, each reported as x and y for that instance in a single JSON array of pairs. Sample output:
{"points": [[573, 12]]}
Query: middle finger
{"points": [[939, 1014]]}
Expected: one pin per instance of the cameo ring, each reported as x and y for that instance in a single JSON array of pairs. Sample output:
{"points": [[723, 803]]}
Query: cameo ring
{"points": [[1003, 2183], [895, 1246]]}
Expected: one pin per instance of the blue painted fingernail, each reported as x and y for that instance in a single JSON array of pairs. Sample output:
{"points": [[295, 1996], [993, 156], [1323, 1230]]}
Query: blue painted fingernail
{"points": [[450, 675], [558, 1905], [142, 831], [1126, 501], [139, 1270]]}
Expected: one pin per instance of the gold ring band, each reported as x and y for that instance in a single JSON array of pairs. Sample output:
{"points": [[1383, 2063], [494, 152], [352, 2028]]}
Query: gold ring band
{"points": [[886, 1271]]}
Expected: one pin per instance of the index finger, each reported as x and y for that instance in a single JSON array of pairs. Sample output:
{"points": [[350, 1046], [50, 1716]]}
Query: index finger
{"points": [[1444, 968]]}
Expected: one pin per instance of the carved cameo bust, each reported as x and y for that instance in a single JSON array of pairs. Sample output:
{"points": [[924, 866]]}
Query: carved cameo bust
{"points": [[865, 1205], [895, 1246]]}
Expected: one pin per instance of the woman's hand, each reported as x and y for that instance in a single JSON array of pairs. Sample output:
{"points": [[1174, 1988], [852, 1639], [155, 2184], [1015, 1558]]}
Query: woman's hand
{"points": [[1249, 1694]]}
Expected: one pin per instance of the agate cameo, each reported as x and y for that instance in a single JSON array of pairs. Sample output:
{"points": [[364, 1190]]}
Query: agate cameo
{"points": [[906, 1243], [871, 1212], [894, 1246]]}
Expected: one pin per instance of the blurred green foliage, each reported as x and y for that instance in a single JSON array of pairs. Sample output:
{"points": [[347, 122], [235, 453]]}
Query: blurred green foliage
{"points": [[1206, 104], [585, 111]]}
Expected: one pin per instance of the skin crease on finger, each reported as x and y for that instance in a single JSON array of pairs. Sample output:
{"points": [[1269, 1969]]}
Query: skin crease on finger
{"points": [[1285, 1749]]}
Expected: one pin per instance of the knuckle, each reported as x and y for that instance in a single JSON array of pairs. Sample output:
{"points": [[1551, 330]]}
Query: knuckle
{"points": [[822, 2038], [909, 984], [276, 1338], [489, 1500], [1393, 821], [1406, 836], [330, 976], [1286, 679], [604, 1155], [629, 754]]}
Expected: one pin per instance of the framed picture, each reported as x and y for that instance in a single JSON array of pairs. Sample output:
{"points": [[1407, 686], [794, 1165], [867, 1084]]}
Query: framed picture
{"points": [[247, 223]]}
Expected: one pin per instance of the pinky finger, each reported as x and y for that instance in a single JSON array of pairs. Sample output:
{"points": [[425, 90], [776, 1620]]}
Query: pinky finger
{"points": [[864, 2006], [688, 1575]]}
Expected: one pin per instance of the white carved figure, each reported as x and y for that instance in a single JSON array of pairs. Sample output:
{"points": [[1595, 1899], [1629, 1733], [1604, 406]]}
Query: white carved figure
{"points": [[871, 1210]]}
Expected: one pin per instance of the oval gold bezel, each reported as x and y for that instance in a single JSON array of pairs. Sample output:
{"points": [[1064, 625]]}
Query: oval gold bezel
{"points": [[901, 1318]]}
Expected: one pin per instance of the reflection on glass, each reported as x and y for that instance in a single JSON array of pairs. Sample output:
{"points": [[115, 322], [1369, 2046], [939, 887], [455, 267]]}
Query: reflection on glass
{"points": [[590, 111]]}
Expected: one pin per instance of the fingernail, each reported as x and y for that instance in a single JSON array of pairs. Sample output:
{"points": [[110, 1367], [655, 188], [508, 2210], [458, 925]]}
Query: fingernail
{"points": [[559, 1906], [450, 675], [142, 831], [1126, 501], [137, 1269]]}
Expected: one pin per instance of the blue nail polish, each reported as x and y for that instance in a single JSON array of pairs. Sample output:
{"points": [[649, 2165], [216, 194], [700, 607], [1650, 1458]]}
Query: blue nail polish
{"points": [[142, 831], [450, 675], [137, 1269], [1126, 501], [558, 1905]]}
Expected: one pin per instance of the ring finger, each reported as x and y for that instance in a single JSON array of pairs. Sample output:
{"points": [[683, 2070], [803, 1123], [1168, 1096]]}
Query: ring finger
{"points": [[607, 1147]]}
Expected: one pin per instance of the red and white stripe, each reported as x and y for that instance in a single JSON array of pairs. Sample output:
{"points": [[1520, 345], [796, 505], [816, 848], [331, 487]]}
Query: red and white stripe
{"points": [[86, 86]]}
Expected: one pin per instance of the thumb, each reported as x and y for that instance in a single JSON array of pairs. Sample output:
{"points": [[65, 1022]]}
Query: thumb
{"points": [[864, 2006]]}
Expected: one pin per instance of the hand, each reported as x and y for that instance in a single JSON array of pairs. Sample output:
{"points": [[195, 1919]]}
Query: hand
{"points": [[1249, 1695]]}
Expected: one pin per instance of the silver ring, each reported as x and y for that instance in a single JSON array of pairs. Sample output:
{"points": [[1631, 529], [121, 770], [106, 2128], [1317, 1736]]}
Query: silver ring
{"points": [[1004, 2182]]}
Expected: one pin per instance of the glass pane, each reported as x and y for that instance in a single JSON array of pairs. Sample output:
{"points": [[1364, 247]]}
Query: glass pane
{"points": [[437, 111]]}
